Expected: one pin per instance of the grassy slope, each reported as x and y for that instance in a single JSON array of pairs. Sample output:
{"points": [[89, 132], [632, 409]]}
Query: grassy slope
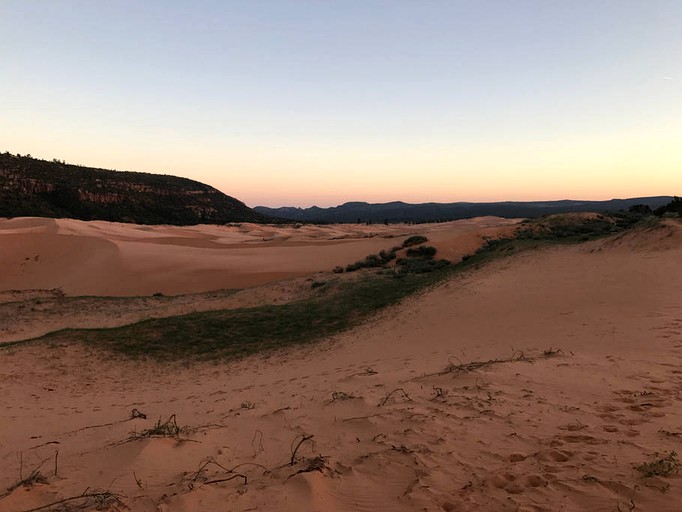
{"points": [[339, 306]]}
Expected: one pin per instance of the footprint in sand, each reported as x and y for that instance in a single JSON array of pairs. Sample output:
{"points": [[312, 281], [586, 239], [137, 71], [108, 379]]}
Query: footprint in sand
{"points": [[584, 439], [554, 456], [535, 481]]}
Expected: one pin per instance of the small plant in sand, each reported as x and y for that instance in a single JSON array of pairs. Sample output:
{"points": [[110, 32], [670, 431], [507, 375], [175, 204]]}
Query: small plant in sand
{"points": [[440, 393], [662, 466], [316, 463], [168, 428], [342, 395], [35, 477], [395, 394]]}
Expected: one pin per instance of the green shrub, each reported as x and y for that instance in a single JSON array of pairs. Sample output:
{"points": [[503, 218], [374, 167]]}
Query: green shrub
{"points": [[415, 240], [372, 261], [420, 265], [674, 206], [387, 256], [423, 251]]}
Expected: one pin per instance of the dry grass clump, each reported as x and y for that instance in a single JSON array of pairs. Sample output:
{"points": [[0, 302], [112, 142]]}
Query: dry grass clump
{"points": [[460, 368], [35, 477], [168, 428], [399, 392], [661, 466], [97, 500], [342, 395]]}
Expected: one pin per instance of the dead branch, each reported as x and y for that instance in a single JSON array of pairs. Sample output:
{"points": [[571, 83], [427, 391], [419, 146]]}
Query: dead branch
{"points": [[303, 439], [98, 499], [384, 401], [315, 464], [353, 418], [202, 467], [517, 356], [218, 480], [43, 444]]}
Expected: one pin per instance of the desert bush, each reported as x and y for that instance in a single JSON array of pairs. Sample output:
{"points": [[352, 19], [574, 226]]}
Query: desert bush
{"points": [[674, 206], [423, 251], [415, 240], [662, 466], [338, 269], [372, 261], [420, 265], [387, 256]]}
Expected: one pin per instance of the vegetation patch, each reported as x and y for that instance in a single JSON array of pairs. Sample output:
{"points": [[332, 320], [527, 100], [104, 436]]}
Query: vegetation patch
{"points": [[168, 428], [236, 333], [664, 465], [372, 261], [671, 210], [239, 332], [423, 251], [578, 227], [414, 240]]}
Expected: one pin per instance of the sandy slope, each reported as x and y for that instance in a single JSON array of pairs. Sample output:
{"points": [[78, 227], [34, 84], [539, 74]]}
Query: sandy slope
{"points": [[42, 260], [107, 258], [535, 433]]}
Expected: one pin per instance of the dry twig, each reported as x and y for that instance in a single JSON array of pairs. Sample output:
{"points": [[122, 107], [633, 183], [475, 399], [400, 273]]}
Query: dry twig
{"points": [[384, 400]]}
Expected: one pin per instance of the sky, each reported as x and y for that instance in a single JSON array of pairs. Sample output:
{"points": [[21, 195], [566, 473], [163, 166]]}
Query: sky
{"points": [[302, 103]]}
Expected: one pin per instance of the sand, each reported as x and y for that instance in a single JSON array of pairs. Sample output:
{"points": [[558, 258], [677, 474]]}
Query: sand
{"points": [[582, 382], [115, 259]]}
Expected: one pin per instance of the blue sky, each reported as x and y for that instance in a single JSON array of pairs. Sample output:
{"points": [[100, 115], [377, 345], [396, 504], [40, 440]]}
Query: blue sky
{"points": [[303, 103]]}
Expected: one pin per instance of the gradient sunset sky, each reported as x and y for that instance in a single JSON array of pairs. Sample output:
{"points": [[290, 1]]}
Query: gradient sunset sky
{"points": [[301, 103]]}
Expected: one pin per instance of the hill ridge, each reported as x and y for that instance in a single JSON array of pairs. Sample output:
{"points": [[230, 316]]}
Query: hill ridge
{"points": [[31, 187], [399, 211]]}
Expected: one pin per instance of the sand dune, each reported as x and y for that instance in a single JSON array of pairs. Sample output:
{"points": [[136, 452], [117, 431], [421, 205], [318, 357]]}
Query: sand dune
{"points": [[578, 381], [113, 259]]}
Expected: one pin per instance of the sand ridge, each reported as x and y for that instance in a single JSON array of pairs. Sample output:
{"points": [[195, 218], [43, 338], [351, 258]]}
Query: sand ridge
{"points": [[580, 381], [115, 259]]}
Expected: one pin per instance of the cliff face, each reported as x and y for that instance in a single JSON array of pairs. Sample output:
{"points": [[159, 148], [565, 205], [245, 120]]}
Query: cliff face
{"points": [[32, 187]]}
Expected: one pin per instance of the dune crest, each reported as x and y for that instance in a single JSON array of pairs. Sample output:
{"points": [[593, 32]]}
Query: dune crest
{"points": [[114, 259]]}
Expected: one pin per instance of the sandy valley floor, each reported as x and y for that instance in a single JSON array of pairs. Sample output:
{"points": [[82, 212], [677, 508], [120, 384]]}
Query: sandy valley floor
{"points": [[582, 385]]}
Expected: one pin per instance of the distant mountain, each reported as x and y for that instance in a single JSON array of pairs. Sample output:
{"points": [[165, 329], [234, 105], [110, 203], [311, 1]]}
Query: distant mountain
{"points": [[39, 188], [398, 211]]}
